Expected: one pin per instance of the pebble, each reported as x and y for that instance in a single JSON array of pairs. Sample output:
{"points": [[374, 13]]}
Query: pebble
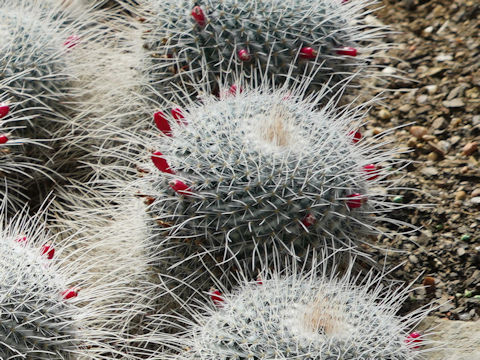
{"points": [[429, 171], [384, 114], [433, 156], [412, 142], [444, 57], [460, 251], [418, 131], [455, 122], [422, 99], [404, 108], [460, 195], [439, 123], [454, 103], [413, 259], [431, 89], [475, 200], [470, 148], [475, 192]]}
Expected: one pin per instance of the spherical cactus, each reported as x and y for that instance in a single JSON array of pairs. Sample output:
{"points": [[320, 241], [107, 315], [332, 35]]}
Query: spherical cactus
{"points": [[309, 316], [209, 40], [38, 319], [259, 174]]}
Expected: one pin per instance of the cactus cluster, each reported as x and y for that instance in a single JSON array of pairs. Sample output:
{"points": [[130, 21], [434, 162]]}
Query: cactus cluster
{"points": [[303, 316], [209, 40]]}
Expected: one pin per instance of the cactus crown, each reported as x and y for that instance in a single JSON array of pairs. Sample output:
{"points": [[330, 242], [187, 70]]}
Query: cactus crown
{"points": [[311, 316], [206, 40]]}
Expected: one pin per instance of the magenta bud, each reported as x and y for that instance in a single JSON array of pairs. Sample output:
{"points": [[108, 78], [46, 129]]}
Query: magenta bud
{"points": [[162, 123], [244, 55], [355, 200], [180, 187]]}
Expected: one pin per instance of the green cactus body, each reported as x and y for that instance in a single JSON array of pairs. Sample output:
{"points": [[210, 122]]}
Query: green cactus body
{"points": [[302, 317], [210, 40], [35, 321]]}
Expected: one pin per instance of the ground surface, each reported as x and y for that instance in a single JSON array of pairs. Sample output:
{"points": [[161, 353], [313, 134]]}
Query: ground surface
{"points": [[439, 49]]}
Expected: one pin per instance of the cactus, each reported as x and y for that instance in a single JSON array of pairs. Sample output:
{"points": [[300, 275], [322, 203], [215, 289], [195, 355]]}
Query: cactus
{"points": [[261, 173], [317, 315], [198, 41], [38, 319]]}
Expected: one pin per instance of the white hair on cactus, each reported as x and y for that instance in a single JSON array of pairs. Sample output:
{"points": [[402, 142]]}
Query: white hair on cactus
{"points": [[292, 314], [119, 252]]}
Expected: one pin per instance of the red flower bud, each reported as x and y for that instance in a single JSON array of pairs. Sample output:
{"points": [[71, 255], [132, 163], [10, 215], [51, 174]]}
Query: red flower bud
{"points": [[4, 110], [3, 139], [309, 220], [349, 51], [162, 123], [308, 53], [216, 297], [373, 170], [199, 16], [71, 41], [244, 55], [356, 200], [70, 293], [414, 337], [178, 115], [49, 250], [180, 187], [161, 163], [356, 136]]}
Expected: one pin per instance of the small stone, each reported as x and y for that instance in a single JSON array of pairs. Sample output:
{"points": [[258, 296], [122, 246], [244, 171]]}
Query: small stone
{"points": [[384, 114], [454, 103], [433, 156], [422, 99], [418, 131], [475, 200], [439, 123], [412, 142], [404, 108], [460, 251], [444, 57], [428, 137], [429, 171], [470, 148], [475, 192], [413, 259], [455, 122], [460, 195], [431, 89], [398, 199]]}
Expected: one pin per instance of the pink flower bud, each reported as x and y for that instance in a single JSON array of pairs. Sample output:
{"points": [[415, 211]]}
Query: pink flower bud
{"points": [[356, 136], [216, 297], [372, 170], [413, 338], [356, 200], [48, 250]]}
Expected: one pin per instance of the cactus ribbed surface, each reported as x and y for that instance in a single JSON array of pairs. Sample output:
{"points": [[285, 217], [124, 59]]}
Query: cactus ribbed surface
{"points": [[208, 40]]}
